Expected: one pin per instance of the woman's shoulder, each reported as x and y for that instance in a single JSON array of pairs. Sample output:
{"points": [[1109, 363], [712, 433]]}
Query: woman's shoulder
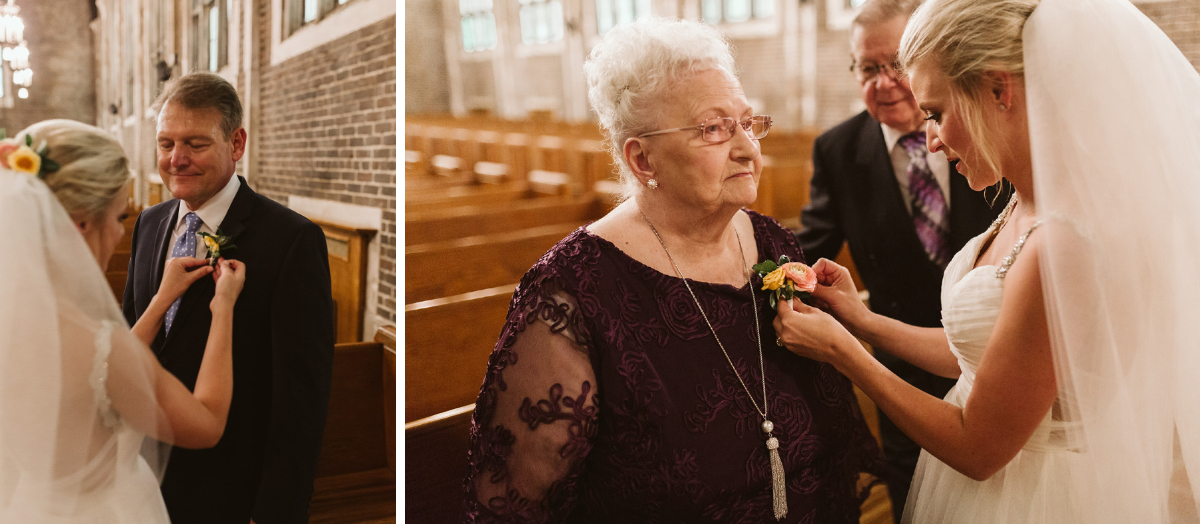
{"points": [[773, 238]]}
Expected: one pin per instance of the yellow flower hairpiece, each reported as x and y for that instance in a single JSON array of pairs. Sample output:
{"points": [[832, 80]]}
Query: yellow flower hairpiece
{"points": [[22, 158]]}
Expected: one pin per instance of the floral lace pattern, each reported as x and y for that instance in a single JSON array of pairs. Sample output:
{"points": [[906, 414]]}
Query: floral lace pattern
{"points": [[606, 400], [98, 378]]}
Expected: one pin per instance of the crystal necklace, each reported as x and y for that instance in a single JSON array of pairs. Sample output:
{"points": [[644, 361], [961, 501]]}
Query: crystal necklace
{"points": [[778, 491]]}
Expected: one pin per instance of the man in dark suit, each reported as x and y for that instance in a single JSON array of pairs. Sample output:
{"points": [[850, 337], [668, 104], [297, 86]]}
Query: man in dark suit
{"points": [[903, 211], [262, 469]]}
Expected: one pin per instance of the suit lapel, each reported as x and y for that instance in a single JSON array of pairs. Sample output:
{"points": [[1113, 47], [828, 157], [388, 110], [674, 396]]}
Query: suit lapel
{"points": [[239, 211], [201, 293], [879, 185], [162, 239]]}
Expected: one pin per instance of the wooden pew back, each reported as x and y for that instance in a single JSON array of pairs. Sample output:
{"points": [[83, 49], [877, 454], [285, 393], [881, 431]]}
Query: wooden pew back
{"points": [[457, 266], [446, 348], [449, 223], [435, 465]]}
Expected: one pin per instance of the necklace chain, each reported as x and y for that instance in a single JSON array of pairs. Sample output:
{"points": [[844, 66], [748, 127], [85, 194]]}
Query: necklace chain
{"points": [[753, 305]]}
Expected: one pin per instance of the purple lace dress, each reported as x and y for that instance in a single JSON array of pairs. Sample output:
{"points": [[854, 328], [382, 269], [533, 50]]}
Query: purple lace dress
{"points": [[607, 400]]}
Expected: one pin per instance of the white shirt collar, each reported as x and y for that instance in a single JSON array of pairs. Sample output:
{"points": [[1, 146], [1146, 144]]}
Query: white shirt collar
{"points": [[891, 135], [213, 212]]}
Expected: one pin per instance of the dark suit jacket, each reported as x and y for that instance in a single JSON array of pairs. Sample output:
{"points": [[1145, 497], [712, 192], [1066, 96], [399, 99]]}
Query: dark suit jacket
{"points": [[855, 198], [283, 338]]}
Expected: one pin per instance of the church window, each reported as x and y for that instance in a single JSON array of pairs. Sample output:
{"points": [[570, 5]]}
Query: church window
{"points": [[478, 24], [541, 21], [723, 11], [610, 13]]}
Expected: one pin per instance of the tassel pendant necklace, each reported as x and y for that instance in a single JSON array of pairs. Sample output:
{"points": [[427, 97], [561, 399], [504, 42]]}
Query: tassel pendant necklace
{"points": [[778, 490]]}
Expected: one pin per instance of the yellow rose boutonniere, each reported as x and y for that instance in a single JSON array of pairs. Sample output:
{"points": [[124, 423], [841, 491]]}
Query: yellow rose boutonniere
{"points": [[786, 279], [24, 159], [216, 244]]}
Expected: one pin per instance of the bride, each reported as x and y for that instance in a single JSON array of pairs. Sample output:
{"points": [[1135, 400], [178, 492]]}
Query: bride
{"points": [[79, 390], [1073, 323]]}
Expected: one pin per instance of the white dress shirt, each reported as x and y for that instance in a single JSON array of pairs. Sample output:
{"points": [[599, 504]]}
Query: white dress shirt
{"points": [[211, 214], [937, 163]]}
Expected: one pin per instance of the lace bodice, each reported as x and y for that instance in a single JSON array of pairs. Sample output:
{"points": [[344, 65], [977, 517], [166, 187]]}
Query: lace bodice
{"points": [[607, 400]]}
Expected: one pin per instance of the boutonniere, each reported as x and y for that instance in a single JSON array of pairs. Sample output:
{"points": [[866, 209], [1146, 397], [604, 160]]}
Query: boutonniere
{"points": [[23, 158], [786, 279], [216, 244]]}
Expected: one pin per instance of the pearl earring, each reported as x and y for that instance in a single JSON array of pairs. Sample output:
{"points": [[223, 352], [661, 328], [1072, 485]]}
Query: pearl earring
{"points": [[1003, 107], [652, 183]]}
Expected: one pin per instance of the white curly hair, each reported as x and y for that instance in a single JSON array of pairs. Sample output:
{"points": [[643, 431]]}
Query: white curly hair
{"points": [[635, 64]]}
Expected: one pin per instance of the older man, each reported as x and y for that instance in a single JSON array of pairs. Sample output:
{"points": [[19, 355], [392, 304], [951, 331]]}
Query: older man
{"points": [[903, 211], [263, 467]]}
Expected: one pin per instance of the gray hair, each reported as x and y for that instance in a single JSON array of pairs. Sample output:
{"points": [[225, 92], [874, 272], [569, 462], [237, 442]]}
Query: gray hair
{"points": [[93, 169], [963, 39], [635, 64], [876, 12]]}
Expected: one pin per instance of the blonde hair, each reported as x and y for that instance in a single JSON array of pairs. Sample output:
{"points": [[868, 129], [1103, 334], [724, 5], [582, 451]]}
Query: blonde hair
{"points": [[963, 40], [635, 64], [93, 169]]}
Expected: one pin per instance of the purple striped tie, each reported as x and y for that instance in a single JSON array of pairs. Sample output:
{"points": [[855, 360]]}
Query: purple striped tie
{"points": [[928, 204]]}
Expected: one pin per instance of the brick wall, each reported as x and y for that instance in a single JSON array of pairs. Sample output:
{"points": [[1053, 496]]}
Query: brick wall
{"points": [[60, 54], [328, 131], [1180, 20]]}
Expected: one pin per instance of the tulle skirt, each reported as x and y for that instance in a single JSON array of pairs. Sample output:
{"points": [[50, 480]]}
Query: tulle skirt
{"points": [[1034, 488]]}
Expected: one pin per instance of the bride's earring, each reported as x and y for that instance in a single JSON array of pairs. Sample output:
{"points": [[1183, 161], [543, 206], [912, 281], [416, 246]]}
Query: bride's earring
{"points": [[652, 183], [1003, 107]]}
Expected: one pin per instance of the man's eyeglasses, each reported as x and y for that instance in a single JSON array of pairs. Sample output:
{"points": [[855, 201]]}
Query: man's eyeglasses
{"points": [[866, 72], [720, 129]]}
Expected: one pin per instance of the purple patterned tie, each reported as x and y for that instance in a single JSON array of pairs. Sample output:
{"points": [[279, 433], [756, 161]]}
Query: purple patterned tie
{"points": [[928, 205]]}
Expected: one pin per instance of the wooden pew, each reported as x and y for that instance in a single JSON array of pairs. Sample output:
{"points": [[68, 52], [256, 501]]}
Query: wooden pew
{"points": [[356, 472], [783, 188], [118, 266], [457, 266], [443, 224], [446, 348], [426, 200], [435, 465]]}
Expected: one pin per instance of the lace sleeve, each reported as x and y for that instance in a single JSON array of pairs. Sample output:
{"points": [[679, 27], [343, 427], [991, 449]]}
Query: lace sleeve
{"points": [[535, 416]]}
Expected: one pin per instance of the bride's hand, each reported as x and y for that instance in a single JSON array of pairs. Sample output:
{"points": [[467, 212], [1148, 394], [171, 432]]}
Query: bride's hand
{"points": [[835, 293], [179, 275], [230, 276], [810, 332]]}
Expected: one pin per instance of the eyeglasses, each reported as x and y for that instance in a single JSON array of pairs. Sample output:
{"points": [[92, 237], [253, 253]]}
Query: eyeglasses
{"points": [[720, 129], [867, 72]]}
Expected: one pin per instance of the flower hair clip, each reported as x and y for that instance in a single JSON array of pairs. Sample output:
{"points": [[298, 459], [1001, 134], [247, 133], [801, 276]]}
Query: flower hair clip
{"points": [[787, 279], [23, 158]]}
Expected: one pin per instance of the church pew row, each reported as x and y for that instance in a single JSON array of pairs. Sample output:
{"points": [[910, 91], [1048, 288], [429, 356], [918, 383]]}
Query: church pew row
{"points": [[447, 343], [457, 266], [432, 199], [356, 471], [458, 222], [435, 465]]}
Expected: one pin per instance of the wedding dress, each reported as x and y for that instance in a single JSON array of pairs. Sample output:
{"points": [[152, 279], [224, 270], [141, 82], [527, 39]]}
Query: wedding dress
{"points": [[1114, 125], [1035, 486], [74, 381]]}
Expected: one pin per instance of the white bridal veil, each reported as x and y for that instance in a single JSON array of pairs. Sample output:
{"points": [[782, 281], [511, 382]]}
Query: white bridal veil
{"points": [[1114, 122], [74, 382]]}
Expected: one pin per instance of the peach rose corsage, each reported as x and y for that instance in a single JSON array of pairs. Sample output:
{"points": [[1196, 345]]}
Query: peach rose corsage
{"points": [[786, 279]]}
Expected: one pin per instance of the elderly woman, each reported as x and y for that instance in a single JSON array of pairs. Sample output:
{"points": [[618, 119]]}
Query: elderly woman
{"points": [[637, 378], [1071, 322]]}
